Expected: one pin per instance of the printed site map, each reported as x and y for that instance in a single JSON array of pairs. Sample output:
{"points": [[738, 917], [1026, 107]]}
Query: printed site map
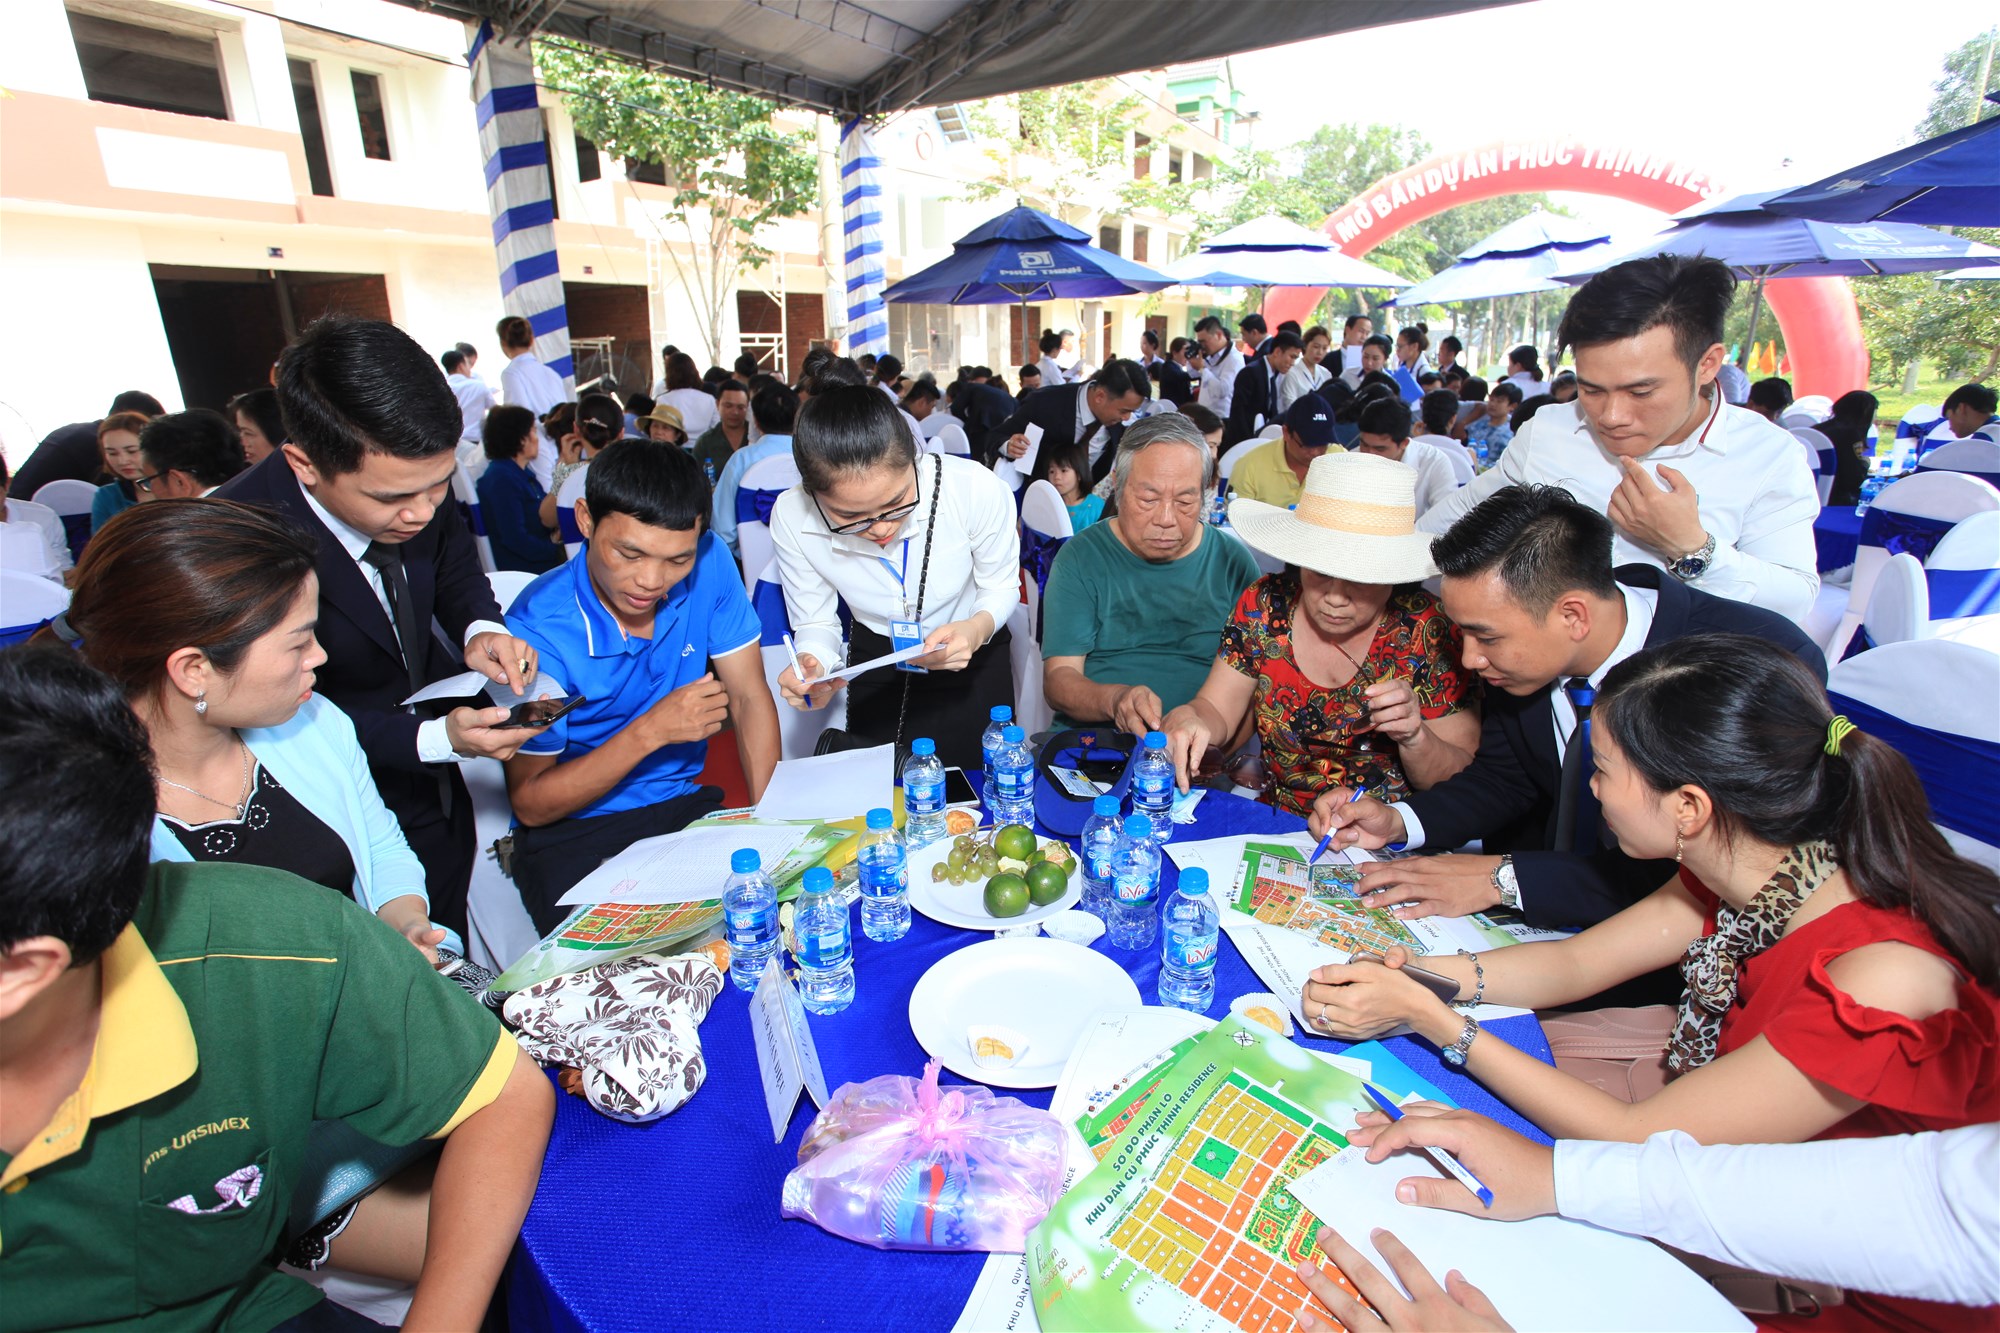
{"points": [[1279, 889], [1185, 1223]]}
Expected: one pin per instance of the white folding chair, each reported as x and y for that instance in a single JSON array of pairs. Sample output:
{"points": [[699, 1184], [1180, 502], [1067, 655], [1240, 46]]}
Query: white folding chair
{"points": [[71, 500], [756, 490], [1044, 523], [566, 497], [798, 730], [1042, 509], [1915, 512], [508, 584], [1939, 703], [475, 517], [472, 457], [1972, 543], [1815, 407], [28, 602], [950, 438], [499, 929], [1972, 456], [1898, 608], [1031, 707], [1234, 455], [1820, 455]]}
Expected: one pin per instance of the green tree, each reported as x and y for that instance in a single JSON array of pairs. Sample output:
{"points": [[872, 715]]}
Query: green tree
{"points": [[1969, 74], [731, 169], [1054, 146], [1954, 325]]}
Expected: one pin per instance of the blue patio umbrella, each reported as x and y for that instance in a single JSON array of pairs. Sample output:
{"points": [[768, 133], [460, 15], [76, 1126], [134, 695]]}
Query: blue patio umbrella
{"points": [[1514, 260], [1025, 255], [1952, 180]]}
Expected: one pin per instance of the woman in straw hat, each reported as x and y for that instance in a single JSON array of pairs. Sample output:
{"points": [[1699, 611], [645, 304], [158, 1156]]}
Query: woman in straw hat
{"points": [[663, 425], [1349, 669]]}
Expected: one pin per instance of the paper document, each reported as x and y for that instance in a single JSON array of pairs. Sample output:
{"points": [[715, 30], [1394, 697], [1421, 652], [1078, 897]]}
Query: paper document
{"points": [[466, 684], [848, 673], [827, 787], [1025, 464], [681, 867], [1545, 1273]]}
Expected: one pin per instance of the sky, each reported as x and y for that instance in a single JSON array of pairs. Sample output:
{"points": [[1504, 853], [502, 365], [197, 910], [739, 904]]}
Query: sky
{"points": [[1737, 87]]}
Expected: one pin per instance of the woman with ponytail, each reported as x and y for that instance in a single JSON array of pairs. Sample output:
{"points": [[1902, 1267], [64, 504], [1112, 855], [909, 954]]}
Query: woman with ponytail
{"points": [[1842, 963]]}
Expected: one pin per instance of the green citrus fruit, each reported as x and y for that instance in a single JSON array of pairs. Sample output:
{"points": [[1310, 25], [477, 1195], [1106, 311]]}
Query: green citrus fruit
{"points": [[1015, 841], [1006, 895], [1046, 883]]}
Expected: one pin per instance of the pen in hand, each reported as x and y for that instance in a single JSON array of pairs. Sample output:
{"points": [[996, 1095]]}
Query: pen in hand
{"points": [[1438, 1155], [1327, 841]]}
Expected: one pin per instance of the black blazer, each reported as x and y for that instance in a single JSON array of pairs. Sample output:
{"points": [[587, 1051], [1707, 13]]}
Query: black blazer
{"points": [[1255, 393], [1054, 409], [1510, 794], [364, 674], [1176, 385], [981, 407]]}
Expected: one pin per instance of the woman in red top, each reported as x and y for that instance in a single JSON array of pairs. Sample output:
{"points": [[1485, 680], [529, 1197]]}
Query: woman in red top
{"points": [[1842, 962]]}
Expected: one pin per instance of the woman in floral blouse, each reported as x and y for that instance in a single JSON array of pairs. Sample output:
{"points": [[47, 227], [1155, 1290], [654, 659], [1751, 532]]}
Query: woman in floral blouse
{"points": [[1349, 670]]}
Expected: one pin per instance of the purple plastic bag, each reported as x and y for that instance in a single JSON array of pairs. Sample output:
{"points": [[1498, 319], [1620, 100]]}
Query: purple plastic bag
{"points": [[900, 1165]]}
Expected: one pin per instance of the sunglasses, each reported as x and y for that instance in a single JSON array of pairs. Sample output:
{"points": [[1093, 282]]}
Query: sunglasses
{"points": [[896, 515]]}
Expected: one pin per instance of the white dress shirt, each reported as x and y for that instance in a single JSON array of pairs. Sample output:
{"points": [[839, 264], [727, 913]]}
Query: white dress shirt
{"points": [[474, 398], [1350, 363], [526, 382], [697, 408], [1051, 372], [975, 559], [1911, 1215], [1529, 386], [1756, 493], [1218, 381], [433, 740], [1299, 381], [1088, 427], [48, 524], [1435, 478], [1454, 454]]}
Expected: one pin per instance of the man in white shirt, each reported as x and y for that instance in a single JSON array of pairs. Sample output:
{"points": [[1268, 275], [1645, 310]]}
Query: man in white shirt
{"points": [[1067, 358], [1717, 496], [1439, 410], [1346, 360], [526, 382], [474, 398], [31, 537], [1221, 363], [1385, 432]]}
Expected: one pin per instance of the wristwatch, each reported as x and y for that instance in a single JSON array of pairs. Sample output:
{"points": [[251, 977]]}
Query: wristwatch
{"points": [[1508, 887], [1454, 1054], [1694, 564]]}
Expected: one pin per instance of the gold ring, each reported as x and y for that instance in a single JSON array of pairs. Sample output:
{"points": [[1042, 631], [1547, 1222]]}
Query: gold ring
{"points": [[1322, 1012]]}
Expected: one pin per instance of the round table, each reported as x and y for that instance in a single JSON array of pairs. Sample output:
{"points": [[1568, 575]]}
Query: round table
{"points": [[635, 1226]]}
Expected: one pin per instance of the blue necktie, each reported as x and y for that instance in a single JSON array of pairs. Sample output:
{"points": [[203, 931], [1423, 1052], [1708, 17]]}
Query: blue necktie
{"points": [[1582, 695]]}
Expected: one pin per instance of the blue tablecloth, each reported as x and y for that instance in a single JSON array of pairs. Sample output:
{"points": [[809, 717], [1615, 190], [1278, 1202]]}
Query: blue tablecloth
{"points": [[675, 1224], [1836, 532]]}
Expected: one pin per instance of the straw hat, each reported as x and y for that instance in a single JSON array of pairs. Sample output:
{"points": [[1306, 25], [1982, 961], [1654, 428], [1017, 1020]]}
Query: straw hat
{"points": [[667, 415], [1356, 519]]}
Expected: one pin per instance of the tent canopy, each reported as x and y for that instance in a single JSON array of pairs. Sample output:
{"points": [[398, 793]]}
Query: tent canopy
{"points": [[852, 59]]}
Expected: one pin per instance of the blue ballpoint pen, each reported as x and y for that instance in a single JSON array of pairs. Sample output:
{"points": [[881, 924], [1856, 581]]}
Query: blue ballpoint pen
{"points": [[1438, 1155], [1320, 850]]}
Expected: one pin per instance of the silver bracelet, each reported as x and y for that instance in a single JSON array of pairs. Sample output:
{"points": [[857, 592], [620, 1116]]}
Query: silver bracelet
{"points": [[1478, 981]]}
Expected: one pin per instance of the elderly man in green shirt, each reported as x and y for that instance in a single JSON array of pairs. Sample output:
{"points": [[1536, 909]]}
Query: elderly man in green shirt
{"points": [[1136, 604], [168, 1036]]}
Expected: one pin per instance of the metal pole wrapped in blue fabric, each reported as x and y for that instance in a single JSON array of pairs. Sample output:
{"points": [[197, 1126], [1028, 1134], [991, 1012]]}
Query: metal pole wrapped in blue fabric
{"points": [[861, 239]]}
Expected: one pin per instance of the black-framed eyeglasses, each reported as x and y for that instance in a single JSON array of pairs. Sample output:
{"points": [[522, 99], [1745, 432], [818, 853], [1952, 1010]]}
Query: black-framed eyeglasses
{"points": [[896, 515], [145, 483]]}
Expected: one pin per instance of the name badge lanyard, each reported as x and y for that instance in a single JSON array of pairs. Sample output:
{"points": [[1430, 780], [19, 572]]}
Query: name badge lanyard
{"points": [[901, 574], [923, 582]]}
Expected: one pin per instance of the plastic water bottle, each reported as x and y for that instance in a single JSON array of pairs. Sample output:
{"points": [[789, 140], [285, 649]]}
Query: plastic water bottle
{"points": [[885, 879], [1188, 945], [1010, 782], [708, 468], [1001, 717], [1218, 513], [1099, 841], [749, 917], [1870, 488], [1135, 886], [923, 794], [825, 952], [1153, 786]]}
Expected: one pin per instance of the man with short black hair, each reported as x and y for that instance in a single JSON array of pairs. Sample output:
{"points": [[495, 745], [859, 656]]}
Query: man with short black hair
{"points": [[368, 471], [1968, 413], [1220, 363], [1253, 402], [731, 431], [1716, 495], [745, 367], [1031, 378], [1439, 412], [474, 398], [1769, 398], [1385, 432], [1093, 414], [1253, 333], [1528, 580], [1345, 360], [650, 623], [187, 454], [773, 409], [71, 452]]}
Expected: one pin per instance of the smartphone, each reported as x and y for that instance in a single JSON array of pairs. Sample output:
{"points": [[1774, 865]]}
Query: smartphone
{"points": [[538, 712], [1441, 986], [958, 788]]}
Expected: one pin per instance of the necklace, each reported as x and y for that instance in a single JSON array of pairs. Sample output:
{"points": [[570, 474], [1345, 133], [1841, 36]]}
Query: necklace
{"points": [[1364, 741], [237, 806]]}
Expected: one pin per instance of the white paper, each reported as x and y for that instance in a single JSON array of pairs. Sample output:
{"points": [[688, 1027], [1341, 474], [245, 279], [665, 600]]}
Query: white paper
{"points": [[830, 786], [682, 867], [786, 1056], [848, 673], [1545, 1273], [469, 683], [1025, 464]]}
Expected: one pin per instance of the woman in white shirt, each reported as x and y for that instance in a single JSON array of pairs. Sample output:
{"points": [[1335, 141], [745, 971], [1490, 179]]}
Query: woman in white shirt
{"points": [[1306, 374], [686, 395], [921, 549]]}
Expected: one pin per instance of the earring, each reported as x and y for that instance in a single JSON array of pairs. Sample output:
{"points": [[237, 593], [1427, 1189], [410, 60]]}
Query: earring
{"points": [[1679, 843], [201, 704]]}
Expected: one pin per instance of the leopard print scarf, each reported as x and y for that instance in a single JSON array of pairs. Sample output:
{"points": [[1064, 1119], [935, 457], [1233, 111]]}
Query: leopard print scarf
{"points": [[1712, 963]]}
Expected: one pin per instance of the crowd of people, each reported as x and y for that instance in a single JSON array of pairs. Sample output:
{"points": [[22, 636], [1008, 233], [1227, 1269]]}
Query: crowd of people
{"points": [[1558, 618]]}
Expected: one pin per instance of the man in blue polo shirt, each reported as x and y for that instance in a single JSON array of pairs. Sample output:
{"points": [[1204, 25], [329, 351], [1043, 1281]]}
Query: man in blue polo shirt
{"points": [[651, 624]]}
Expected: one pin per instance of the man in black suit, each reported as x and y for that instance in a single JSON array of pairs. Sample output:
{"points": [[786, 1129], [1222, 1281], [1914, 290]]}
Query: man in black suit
{"points": [[1094, 412], [1257, 384], [1528, 580], [71, 453], [367, 471], [980, 405]]}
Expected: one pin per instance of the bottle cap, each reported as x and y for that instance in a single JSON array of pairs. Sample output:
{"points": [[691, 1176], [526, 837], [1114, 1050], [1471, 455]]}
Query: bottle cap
{"points": [[1156, 740], [879, 819], [1105, 806], [923, 745], [1001, 713], [818, 880], [744, 861], [1013, 735], [1194, 881], [1138, 826]]}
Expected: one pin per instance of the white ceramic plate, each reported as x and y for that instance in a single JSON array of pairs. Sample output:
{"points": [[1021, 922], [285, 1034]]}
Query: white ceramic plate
{"points": [[964, 905], [1047, 990]]}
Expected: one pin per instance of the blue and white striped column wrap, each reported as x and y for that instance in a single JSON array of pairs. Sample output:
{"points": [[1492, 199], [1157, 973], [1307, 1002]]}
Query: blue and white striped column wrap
{"points": [[861, 235], [517, 195]]}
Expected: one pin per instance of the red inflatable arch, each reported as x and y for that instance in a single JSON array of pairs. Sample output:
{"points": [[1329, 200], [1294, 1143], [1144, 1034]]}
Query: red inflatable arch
{"points": [[1818, 317]]}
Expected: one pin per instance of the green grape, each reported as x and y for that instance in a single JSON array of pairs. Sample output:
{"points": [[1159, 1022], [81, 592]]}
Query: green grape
{"points": [[938, 872]]}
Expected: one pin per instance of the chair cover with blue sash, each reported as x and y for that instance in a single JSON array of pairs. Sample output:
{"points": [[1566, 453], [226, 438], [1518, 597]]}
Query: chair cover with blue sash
{"points": [[566, 524], [1961, 774], [1038, 557], [1963, 592], [755, 506], [1898, 533]]}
